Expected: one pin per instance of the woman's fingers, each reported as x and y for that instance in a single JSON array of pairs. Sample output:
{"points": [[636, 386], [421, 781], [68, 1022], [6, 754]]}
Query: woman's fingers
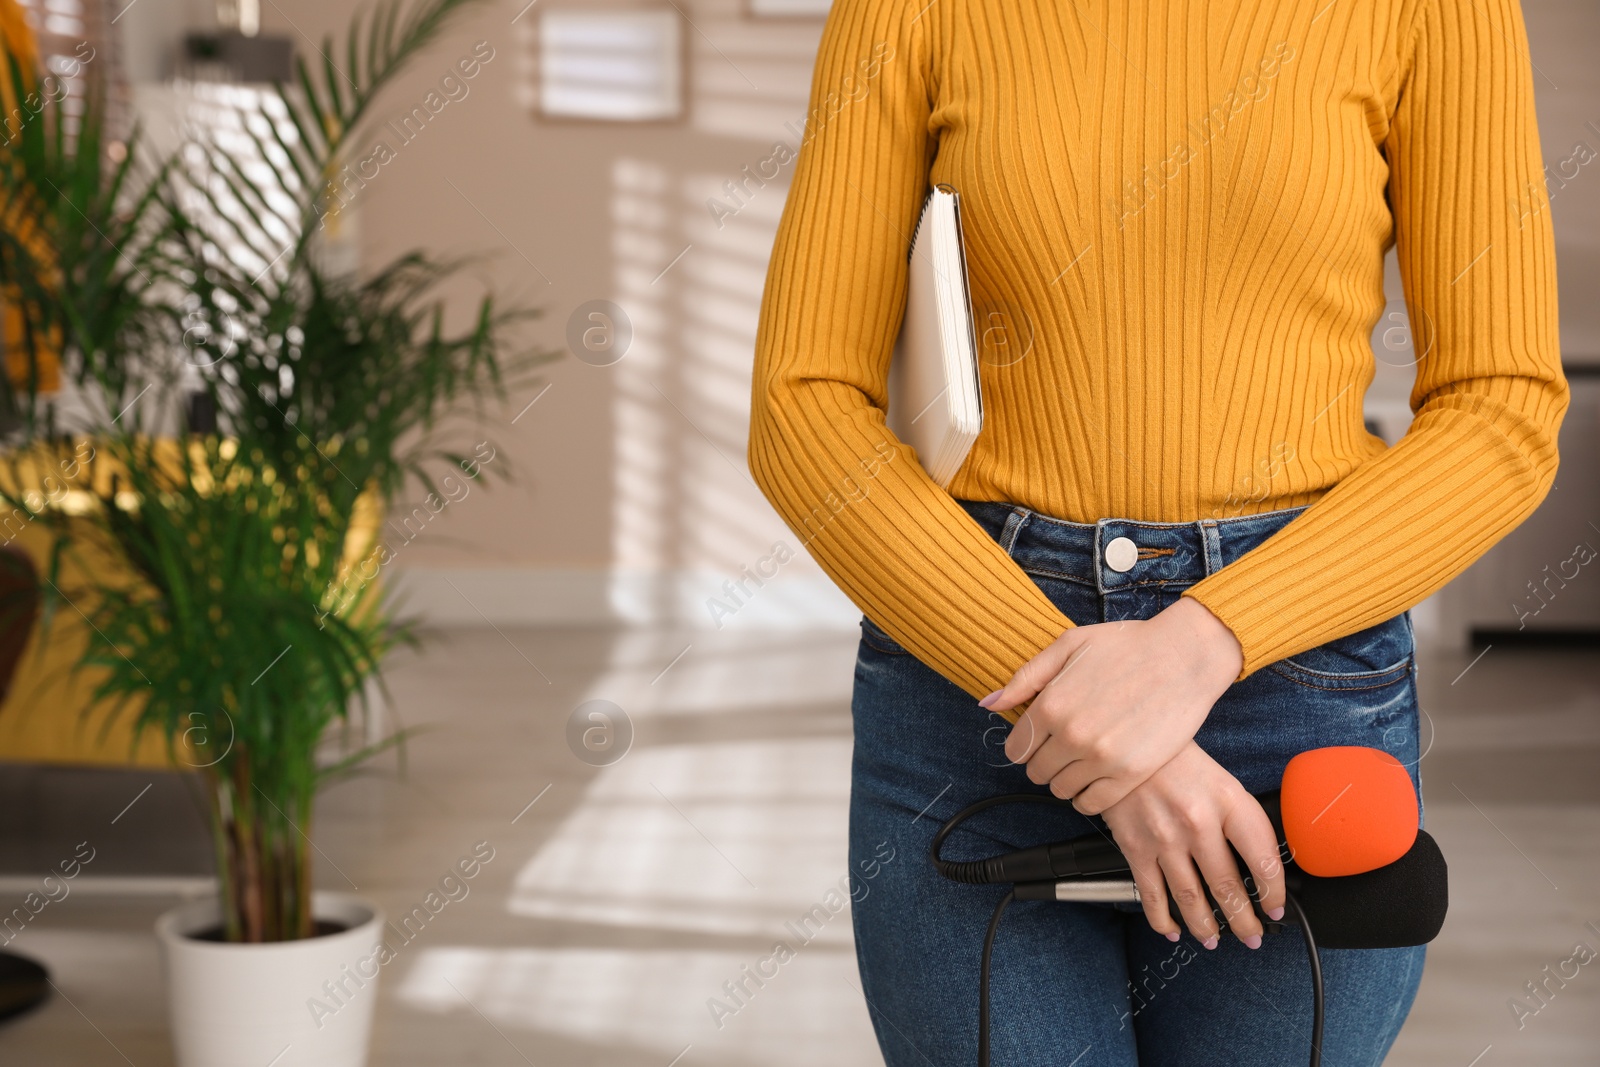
{"points": [[1035, 674], [1153, 894], [1050, 759], [1026, 738], [1031, 732], [1188, 813], [1099, 794], [1183, 884], [1246, 825], [1226, 882], [1251, 832], [1071, 781]]}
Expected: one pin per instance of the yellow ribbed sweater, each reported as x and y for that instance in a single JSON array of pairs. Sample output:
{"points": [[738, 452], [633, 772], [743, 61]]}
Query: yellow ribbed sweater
{"points": [[1176, 213]]}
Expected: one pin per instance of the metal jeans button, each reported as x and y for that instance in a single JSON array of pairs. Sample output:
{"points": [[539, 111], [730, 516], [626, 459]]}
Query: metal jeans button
{"points": [[1121, 554]]}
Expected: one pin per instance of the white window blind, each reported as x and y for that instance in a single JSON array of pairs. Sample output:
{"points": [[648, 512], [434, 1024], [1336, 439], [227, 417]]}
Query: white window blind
{"points": [[77, 42]]}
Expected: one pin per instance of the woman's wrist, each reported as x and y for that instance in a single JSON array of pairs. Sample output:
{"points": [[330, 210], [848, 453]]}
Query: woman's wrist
{"points": [[1112, 702], [1217, 655]]}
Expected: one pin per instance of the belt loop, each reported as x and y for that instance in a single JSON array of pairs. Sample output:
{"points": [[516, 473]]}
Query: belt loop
{"points": [[1211, 536], [1014, 523], [1097, 559]]}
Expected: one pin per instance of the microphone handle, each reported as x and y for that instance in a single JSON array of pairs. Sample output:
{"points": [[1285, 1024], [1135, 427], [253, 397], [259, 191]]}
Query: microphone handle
{"points": [[1087, 856], [1123, 890], [1401, 904]]}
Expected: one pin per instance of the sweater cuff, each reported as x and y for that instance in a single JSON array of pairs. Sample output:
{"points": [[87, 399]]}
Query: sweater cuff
{"points": [[1233, 598]]}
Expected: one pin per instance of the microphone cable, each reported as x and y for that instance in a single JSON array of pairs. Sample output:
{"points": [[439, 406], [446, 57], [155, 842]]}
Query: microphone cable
{"points": [[983, 978], [1316, 974], [977, 872]]}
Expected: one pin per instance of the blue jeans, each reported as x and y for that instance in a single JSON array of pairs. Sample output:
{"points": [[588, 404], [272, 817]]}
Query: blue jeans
{"points": [[1091, 985]]}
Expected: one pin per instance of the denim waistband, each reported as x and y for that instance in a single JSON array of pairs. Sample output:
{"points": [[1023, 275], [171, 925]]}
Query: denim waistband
{"points": [[1123, 554]]}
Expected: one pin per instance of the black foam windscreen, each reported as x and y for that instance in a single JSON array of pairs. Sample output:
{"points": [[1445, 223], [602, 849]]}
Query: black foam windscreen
{"points": [[1395, 906]]}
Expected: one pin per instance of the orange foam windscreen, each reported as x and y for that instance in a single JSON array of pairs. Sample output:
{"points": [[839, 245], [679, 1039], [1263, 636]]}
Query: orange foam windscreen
{"points": [[1347, 810]]}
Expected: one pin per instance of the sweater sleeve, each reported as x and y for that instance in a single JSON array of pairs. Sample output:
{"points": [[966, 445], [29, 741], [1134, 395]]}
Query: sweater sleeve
{"points": [[896, 543], [1477, 260]]}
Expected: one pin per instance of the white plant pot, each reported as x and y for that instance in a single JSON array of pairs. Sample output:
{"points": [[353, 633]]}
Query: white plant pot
{"points": [[304, 1003]]}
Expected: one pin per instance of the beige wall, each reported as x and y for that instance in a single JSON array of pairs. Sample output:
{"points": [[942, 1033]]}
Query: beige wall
{"points": [[639, 465]]}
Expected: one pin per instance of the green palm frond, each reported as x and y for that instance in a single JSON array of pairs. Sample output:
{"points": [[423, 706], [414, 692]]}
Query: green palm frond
{"points": [[80, 236], [234, 628], [325, 106]]}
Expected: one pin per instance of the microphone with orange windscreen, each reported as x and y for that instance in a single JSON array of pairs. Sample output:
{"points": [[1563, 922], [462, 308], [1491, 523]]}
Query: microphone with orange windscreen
{"points": [[1346, 810], [1359, 871], [1347, 817]]}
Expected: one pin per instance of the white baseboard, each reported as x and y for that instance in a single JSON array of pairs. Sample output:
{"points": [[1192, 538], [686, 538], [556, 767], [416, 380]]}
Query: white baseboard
{"points": [[711, 600], [114, 885]]}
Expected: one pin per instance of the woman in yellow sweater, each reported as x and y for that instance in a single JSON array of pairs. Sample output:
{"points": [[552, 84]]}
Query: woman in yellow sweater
{"points": [[1175, 557]]}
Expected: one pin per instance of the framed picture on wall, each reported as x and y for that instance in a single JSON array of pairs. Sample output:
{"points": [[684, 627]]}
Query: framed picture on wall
{"points": [[788, 8], [616, 65]]}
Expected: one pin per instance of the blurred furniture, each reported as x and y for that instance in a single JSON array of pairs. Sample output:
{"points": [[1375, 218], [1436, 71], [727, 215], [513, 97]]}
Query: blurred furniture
{"points": [[48, 715], [1541, 583], [23, 983]]}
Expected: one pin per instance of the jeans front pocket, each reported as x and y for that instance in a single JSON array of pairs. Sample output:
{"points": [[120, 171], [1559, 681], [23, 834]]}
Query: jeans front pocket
{"points": [[1354, 690], [1375, 658]]}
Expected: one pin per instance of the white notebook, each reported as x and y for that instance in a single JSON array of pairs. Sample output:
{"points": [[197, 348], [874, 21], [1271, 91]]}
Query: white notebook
{"points": [[935, 405]]}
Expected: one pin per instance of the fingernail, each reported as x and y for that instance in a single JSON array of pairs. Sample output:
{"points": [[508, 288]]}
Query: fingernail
{"points": [[986, 700], [1210, 942], [1274, 914], [1173, 936], [1254, 940]]}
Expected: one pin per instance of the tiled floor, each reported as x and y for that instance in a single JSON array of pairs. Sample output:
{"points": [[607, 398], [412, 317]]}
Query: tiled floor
{"points": [[624, 896]]}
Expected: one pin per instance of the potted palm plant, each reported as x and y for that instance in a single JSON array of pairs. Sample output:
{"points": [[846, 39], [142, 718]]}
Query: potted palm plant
{"points": [[218, 637], [240, 621]]}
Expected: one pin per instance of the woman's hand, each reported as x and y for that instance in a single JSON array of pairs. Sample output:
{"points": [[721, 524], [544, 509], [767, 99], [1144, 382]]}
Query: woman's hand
{"points": [[1183, 817], [1114, 701]]}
